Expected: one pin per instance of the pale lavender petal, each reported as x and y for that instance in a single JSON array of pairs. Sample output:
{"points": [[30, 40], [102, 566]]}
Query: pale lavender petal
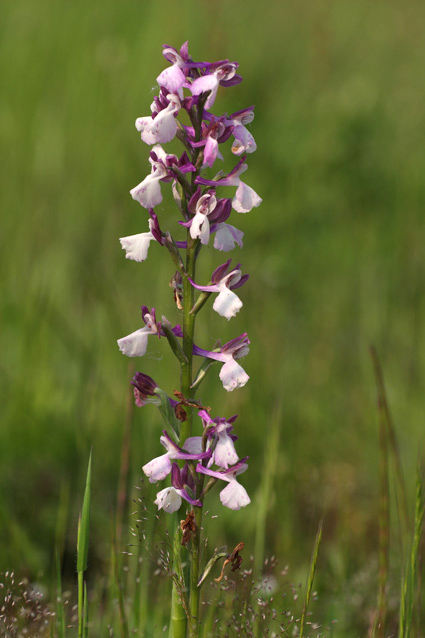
{"points": [[225, 453], [210, 152], [234, 496], [136, 246], [157, 469], [226, 236], [244, 116], [168, 500], [148, 193], [161, 129], [227, 303], [205, 83], [193, 445], [135, 344], [245, 199], [200, 228], [233, 375], [244, 141], [172, 78]]}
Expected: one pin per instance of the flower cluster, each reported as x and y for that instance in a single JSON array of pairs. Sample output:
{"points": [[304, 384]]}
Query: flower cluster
{"points": [[182, 110]]}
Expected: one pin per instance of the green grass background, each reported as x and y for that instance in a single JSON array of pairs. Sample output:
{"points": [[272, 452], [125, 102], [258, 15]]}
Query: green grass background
{"points": [[335, 253]]}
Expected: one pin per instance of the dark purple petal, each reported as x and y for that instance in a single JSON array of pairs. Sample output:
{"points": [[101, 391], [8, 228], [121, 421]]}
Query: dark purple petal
{"points": [[203, 414], [236, 343], [184, 50], [175, 477], [220, 272], [187, 168], [240, 283], [144, 384], [222, 211], [155, 230], [177, 331], [225, 135], [151, 312], [239, 114], [236, 79], [194, 200]]}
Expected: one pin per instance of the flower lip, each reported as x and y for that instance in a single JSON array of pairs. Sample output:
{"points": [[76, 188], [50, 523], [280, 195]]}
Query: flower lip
{"points": [[226, 236], [234, 495]]}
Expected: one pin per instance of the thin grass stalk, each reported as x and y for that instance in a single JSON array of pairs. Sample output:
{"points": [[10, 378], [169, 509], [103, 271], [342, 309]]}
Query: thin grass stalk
{"points": [[384, 505], [140, 601], [119, 589], [82, 548], [60, 615], [62, 519], [80, 604], [410, 579], [141, 590], [122, 492], [208, 621], [86, 614], [310, 578], [400, 485], [263, 500]]}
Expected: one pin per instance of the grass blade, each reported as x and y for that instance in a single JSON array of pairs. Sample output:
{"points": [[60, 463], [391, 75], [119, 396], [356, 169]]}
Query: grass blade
{"points": [[60, 615], [82, 554], [310, 579], [83, 527], [400, 487], [410, 579], [86, 614], [271, 458]]}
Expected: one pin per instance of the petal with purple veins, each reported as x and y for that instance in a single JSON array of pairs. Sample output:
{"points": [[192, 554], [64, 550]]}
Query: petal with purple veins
{"points": [[233, 375], [168, 500], [245, 199], [227, 303], [234, 496], [158, 468], [226, 236], [135, 344]]}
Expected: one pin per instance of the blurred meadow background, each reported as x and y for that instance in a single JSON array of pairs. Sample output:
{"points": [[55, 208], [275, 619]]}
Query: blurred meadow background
{"points": [[335, 254]]}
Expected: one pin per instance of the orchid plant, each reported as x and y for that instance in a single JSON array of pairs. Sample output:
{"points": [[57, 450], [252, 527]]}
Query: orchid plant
{"points": [[190, 88]]}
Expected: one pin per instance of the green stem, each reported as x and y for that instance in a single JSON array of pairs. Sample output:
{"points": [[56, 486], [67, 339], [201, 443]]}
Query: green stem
{"points": [[178, 615], [178, 625], [188, 334], [80, 604], [178, 611], [194, 575]]}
